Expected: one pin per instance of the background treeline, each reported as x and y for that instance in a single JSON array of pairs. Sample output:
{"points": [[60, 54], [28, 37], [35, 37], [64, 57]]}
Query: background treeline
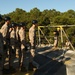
{"points": [[46, 18]]}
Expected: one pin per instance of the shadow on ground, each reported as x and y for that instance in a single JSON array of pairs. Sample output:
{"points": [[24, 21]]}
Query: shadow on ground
{"points": [[48, 66], [45, 62]]}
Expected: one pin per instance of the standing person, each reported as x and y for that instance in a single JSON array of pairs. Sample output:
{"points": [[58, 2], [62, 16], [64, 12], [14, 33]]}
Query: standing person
{"points": [[56, 34], [67, 44], [32, 38], [0, 19], [22, 36], [1, 50], [18, 45], [12, 51], [17, 36], [5, 33]]}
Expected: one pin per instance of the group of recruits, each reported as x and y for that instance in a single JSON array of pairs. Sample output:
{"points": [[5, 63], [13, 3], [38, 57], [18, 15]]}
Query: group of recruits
{"points": [[13, 39]]}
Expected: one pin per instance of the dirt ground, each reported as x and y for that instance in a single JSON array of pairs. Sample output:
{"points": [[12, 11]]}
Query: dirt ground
{"points": [[21, 73]]}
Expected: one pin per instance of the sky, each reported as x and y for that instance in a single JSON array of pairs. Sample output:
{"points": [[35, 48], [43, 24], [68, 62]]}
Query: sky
{"points": [[7, 6]]}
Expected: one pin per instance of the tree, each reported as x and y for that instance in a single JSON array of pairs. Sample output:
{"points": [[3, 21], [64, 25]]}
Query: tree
{"points": [[34, 13]]}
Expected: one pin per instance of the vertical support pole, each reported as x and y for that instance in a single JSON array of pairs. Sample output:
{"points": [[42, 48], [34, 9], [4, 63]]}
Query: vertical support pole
{"points": [[39, 42], [61, 37], [68, 40]]}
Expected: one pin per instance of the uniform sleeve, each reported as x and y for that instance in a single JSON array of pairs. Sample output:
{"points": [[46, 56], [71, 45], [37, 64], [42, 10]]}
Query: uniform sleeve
{"points": [[22, 38], [4, 31], [31, 37]]}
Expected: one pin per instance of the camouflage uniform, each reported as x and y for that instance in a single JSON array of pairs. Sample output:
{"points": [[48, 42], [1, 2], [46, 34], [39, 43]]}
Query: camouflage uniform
{"points": [[55, 41], [32, 37], [12, 50], [5, 34], [17, 34], [1, 50], [1, 54], [17, 41], [18, 45], [56, 34], [22, 44], [4, 31], [2, 35]]}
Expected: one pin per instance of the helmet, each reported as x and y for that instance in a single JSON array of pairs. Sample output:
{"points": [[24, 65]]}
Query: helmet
{"points": [[0, 17], [7, 18], [22, 24], [13, 24], [34, 22]]}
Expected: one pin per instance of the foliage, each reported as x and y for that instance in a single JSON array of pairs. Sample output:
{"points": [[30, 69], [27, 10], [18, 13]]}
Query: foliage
{"points": [[45, 18]]}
